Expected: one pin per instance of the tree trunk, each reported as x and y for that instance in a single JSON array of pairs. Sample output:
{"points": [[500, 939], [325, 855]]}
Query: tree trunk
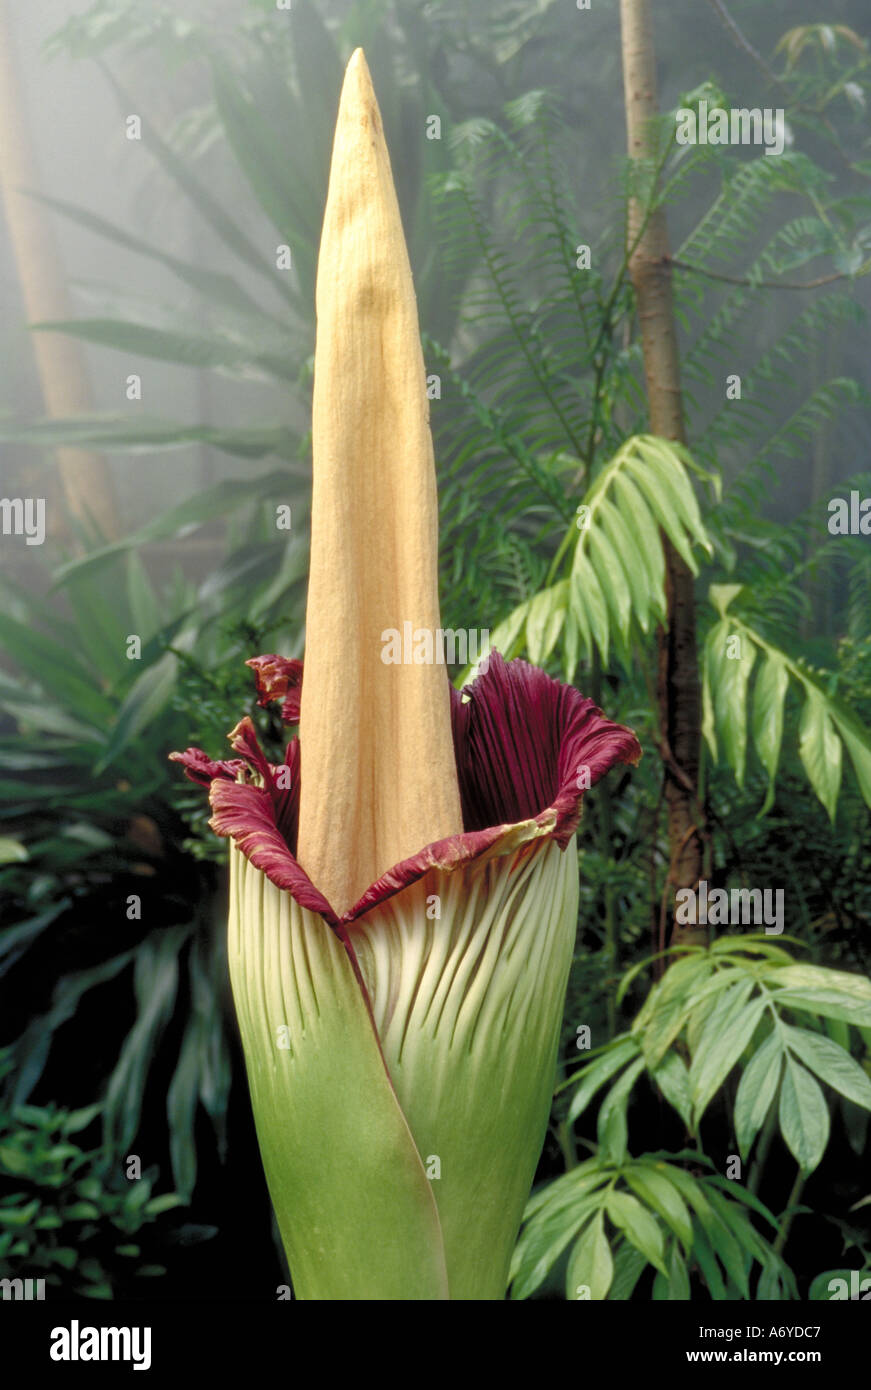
{"points": [[678, 687], [87, 481]]}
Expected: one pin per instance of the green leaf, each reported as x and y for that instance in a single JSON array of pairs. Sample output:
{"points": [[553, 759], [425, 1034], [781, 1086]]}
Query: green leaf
{"points": [[650, 1182], [677, 1286], [206, 204], [730, 676], [804, 1116], [714, 1060], [147, 698], [167, 1201], [756, 1091], [768, 702], [146, 434], [545, 620], [831, 1063], [181, 1104], [213, 285], [12, 852], [610, 525], [156, 984], [588, 601], [638, 1225], [820, 749], [612, 1127], [672, 1078], [229, 353], [629, 1265], [643, 529], [591, 1265], [224, 498], [859, 748], [597, 1071], [81, 1211], [612, 579], [53, 664], [19, 1217]]}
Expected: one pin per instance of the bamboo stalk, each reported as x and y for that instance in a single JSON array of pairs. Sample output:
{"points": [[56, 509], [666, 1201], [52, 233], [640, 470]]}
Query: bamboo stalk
{"points": [[66, 389], [679, 695]]}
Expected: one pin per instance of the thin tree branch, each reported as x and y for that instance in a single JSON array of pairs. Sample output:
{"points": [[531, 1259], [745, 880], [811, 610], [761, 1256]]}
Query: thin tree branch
{"points": [[768, 284], [744, 43]]}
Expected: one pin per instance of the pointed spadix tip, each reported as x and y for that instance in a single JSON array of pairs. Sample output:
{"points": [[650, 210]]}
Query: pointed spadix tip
{"points": [[358, 95]]}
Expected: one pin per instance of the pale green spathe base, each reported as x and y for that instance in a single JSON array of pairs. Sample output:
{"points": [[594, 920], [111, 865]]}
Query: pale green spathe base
{"points": [[354, 1207], [468, 1005], [469, 1009]]}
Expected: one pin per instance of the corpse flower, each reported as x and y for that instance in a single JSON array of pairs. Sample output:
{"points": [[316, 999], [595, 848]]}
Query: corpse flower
{"points": [[403, 887]]}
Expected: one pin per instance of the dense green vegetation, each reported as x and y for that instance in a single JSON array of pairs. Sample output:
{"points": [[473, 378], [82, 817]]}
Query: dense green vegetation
{"points": [[555, 496]]}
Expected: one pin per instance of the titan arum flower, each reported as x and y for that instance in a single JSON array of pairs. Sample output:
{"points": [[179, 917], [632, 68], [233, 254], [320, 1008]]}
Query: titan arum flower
{"points": [[404, 886]]}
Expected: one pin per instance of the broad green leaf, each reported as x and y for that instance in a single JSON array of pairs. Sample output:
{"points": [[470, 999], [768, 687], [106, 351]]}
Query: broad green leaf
{"points": [[591, 1265], [676, 1287], [831, 1063], [597, 1071], [181, 1105], [728, 1250], [756, 1090], [653, 1187], [588, 600], [672, 1078], [612, 1127], [768, 702], [818, 977], [145, 609], [857, 741], [147, 698], [715, 1006], [730, 672], [835, 1284], [227, 353], [804, 1116], [545, 620], [712, 1064], [644, 529], [55, 665], [637, 1225], [156, 984], [611, 575], [213, 285], [666, 504], [826, 1004], [146, 434], [820, 749], [620, 532], [629, 1265], [228, 497], [207, 205]]}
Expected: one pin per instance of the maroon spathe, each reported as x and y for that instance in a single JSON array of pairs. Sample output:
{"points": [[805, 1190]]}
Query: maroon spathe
{"points": [[520, 741]]}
